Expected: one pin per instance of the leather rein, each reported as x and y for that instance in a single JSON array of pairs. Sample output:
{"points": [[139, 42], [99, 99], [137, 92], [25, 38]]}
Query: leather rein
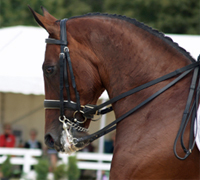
{"points": [[88, 111]]}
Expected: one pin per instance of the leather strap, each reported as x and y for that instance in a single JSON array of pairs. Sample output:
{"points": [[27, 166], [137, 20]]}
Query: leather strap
{"points": [[55, 41], [95, 109], [73, 81], [55, 104], [190, 113], [63, 38]]}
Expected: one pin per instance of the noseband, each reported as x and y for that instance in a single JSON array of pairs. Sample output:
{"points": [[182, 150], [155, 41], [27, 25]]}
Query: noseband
{"points": [[89, 110]]}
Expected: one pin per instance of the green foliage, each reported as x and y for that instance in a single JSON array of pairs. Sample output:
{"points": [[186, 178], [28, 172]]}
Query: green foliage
{"points": [[6, 168], [60, 172], [169, 16], [180, 17], [42, 169], [73, 171]]}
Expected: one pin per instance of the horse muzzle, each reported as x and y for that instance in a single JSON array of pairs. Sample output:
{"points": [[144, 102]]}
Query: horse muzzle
{"points": [[67, 142]]}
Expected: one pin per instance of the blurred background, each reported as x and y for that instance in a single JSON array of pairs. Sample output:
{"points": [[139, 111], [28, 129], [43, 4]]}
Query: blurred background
{"points": [[177, 17]]}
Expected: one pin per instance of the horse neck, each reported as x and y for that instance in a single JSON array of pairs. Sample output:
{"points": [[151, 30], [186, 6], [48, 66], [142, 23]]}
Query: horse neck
{"points": [[130, 56], [127, 56]]}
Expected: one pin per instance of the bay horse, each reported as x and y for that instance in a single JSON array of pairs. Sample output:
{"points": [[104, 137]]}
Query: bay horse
{"points": [[88, 54]]}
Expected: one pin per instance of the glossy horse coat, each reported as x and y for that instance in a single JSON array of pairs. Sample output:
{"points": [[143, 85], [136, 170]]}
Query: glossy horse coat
{"points": [[117, 54]]}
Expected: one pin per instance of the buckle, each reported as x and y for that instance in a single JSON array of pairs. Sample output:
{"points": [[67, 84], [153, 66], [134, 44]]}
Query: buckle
{"points": [[62, 55], [87, 111], [66, 49]]}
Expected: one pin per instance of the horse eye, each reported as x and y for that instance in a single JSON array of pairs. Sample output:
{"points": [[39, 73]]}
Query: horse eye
{"points": [[49, 70]]}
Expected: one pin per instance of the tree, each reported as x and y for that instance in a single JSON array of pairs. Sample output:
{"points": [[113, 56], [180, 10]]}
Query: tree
{"points": [[6, 168], [182, 16], [73, 172]]}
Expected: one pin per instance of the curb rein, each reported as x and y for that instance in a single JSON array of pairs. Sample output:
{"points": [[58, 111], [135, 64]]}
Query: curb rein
{"points": [[88, 111]]}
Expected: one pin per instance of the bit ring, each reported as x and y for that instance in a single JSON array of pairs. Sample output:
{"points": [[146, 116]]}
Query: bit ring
{"points": [[76, 120]]}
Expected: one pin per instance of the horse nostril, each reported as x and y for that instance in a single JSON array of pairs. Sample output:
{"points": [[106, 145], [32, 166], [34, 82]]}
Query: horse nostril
{"points": [[49, 141]]}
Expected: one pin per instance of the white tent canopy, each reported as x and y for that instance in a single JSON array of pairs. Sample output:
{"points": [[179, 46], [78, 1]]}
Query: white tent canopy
{"points": [[21, 57], [22, 54]]}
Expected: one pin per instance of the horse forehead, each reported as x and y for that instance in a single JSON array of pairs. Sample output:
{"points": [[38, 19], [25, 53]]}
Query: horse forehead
{"points": [[51, 53]]}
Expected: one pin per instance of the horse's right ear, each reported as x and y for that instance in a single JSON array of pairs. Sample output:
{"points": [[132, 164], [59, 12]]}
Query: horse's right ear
{"points": [[47, 21]]}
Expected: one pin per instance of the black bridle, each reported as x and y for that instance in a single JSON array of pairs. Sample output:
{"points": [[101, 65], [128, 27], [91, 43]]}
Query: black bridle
{"points": [[65, 62], [88, 111]]}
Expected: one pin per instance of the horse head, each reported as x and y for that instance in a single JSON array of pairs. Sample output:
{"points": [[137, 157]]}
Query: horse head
{"points": [[62, 128]]}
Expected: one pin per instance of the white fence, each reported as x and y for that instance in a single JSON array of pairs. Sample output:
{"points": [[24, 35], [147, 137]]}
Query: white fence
{"points": [[21, 157], [102, 161], [25, 157]]}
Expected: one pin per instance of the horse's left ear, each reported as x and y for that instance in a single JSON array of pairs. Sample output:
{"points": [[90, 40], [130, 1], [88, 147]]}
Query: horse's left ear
{"points": [[47, 21]]}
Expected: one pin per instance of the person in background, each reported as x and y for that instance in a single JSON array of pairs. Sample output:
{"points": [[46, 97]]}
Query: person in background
{"points": [[33, 143], [7, 139]]}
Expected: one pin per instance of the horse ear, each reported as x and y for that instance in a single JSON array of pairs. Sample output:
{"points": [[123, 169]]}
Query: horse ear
{"points": [[47, 15], [47, 21]]}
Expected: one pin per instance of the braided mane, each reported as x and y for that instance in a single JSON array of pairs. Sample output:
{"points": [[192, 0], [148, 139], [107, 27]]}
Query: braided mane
{"points": [[161, 35]]}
